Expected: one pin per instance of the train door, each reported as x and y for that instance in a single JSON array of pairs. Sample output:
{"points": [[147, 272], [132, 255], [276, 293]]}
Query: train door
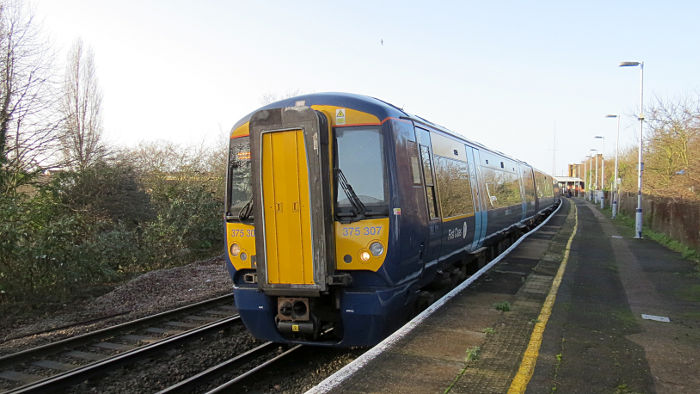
{"points": [[290, 156], [431, 249], [480, 216]]}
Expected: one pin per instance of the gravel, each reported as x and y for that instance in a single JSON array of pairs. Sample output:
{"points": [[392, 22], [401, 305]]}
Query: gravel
{"points": [[150, 293], [158, 291]]}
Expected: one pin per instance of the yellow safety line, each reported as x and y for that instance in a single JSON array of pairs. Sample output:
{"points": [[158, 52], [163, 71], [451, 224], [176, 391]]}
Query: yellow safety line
{"points": [[527, 365]]}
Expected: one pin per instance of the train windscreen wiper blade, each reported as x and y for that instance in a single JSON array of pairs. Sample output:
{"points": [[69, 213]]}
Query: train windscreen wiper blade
{"points": [[244, 213], [355, 201]]}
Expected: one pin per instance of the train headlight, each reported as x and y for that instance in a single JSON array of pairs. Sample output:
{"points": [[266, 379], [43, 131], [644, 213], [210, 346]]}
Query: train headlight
{"points": [[235, 249], [244, 256], [376, 248], [364, 256]]}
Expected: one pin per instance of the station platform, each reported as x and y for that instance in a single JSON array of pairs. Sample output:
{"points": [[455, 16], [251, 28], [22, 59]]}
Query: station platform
{"points": [[578, 307]]}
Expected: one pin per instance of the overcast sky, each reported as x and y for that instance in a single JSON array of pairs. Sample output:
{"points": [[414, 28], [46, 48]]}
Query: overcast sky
{"points": [[508, 74]]}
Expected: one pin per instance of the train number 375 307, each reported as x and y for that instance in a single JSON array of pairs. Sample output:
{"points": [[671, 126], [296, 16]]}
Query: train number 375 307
{"points": [[358, 231]]}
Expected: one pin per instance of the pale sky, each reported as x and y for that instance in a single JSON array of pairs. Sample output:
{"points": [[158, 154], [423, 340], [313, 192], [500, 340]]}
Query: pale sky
{"points": [[508, 74]]}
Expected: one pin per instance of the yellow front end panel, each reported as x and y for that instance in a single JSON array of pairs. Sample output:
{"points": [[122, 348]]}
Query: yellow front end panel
{"points": [[285, 181], [244, 236], [352, 239]]}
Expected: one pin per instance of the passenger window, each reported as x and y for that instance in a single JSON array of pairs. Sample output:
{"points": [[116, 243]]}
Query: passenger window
{"points": [[429, 184], [454, 187]]}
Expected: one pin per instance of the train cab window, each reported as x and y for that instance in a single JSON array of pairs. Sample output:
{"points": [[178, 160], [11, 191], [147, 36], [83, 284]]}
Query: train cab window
{"points": [[360, 172], [240, 187]]}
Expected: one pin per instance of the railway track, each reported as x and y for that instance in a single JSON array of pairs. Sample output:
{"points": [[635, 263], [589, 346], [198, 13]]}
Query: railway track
{"points": [[234, 371], [60, 364]]}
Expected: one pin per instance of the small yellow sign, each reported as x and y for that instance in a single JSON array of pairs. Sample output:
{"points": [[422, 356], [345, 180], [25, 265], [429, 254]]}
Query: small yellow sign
{"points": [[340, 116], [295, 327]]}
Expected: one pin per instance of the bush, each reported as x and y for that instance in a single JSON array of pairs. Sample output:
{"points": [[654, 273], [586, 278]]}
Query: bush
{"points": [[75, 230], [45, 250], [188, 225]]}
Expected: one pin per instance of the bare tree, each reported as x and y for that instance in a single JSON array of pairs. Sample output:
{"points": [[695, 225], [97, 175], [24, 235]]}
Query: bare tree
{"points": [[269, 97], [82, 109], [672, 158], [28, 121]]}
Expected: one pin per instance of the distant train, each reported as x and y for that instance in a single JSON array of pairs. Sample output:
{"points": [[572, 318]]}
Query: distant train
{"points": [[344, 212]]}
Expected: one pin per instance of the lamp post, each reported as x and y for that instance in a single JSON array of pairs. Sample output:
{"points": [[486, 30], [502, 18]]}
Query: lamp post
{"points": [[615, 193], [640, 164], [595, 182], [602, 172], [594, 176], [585, 171], [590, 177]]}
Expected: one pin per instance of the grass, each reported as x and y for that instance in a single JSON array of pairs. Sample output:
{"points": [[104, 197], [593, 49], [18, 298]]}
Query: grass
{"points": [[690, 293], [503, 306], [687, 252], [627, 222], [489, 331]]}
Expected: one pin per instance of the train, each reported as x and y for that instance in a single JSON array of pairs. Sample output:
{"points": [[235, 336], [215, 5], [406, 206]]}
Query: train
{"points": [[345, 213]]}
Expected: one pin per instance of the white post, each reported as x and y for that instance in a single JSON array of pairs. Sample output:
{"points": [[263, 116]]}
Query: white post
{"points": [[602, 177], [640, 171], [640, 163], [616, 192]]}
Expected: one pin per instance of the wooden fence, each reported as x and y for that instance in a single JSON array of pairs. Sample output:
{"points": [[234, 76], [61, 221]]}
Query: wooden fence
{"points": [[679, 219]]}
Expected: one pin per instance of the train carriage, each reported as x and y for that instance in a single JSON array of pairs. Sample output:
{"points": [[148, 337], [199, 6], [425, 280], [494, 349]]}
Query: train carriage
{"points": [[343, 211]]}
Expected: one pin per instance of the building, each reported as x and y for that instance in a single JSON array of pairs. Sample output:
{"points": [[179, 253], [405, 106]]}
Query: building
{"points": [[575, 185]]}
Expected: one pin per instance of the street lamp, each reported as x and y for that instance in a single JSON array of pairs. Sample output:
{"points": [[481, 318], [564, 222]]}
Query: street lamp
{"points": [[585, 172], [615, 192], [640, 164], [602, 172], [595, 185]]}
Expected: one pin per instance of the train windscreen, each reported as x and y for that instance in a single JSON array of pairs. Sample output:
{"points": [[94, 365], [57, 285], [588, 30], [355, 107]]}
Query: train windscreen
{"points": [[360, 172], [240, 187]]}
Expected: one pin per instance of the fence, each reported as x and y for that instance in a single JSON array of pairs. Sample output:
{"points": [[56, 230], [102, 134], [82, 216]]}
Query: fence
{"points": [[679, 219]]}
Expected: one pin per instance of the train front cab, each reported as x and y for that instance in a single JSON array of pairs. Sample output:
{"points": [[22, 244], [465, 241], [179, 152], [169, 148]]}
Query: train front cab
{"points": [[308, 264]]}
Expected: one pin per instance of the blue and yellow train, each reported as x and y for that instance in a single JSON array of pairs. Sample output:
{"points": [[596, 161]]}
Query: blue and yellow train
{"points": [[344, 212]]}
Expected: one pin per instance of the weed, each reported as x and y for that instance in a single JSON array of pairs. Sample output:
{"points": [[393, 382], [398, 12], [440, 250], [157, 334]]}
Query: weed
{"points": [[503, 306], [559, 358], [473, 353], [623, 389], [489, 331]]}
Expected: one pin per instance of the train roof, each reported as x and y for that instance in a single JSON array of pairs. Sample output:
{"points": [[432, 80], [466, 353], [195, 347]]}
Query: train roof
{"points": [[379, 108]]}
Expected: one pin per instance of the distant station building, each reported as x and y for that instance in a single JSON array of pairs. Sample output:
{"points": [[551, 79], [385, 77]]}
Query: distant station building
{"points": [[570, 184], [574, 182]]}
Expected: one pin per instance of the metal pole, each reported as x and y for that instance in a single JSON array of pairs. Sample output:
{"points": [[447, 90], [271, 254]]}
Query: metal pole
{"points": [[588, 175], [596, 177], [585, 180], [615, 195], [640, 170], [590, 178], [602, 176]]}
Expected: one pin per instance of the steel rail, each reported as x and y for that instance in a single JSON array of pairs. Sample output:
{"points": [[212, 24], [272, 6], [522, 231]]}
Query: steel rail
{"points": [[207, 375], [252, 371], [57, 346], [57, 382]]}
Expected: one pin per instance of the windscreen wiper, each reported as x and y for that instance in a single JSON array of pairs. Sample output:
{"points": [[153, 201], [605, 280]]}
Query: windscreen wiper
{"points": [[246, 211], [355, 201]]}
